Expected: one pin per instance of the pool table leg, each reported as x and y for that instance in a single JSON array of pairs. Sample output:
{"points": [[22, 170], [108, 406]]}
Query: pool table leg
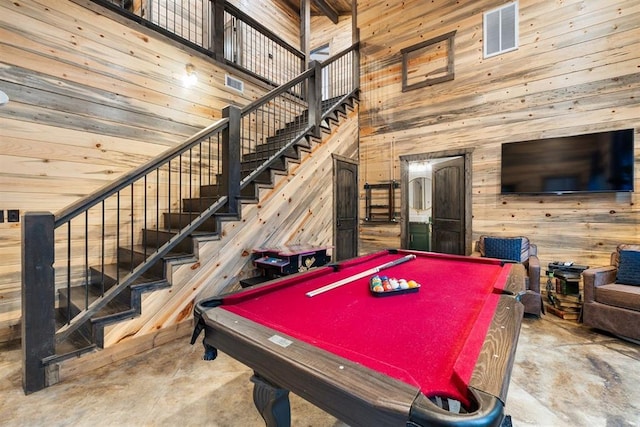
{"points": [[272, 402], [210, 353]]}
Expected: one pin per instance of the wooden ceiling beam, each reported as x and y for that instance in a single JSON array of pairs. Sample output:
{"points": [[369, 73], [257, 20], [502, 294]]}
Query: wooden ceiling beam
{"points": [[327, 9]]}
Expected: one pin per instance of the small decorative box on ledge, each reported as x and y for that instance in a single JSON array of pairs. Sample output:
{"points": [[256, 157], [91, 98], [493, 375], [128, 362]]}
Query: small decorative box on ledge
{"points": [[281, 261]]}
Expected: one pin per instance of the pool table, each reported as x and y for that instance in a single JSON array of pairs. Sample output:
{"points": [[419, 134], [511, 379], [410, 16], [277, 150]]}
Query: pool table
{"points": [[440, 354]]}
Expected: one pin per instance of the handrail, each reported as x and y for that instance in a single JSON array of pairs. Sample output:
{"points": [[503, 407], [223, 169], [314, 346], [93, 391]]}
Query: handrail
{"points": [[228, 7], [355, 77], [206, 33], [140, 173], [86, 314], [110, 189], [271, 59], [310, 83], [299, 78], [277, 91], [355, 46]]}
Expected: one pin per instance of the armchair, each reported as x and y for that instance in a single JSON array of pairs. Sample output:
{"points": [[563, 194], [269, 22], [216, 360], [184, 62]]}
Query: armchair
{"points": [[612, 294], [517, 249]]}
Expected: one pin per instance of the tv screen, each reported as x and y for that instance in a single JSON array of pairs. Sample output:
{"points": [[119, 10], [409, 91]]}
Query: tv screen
{"points": [[596, 162]]}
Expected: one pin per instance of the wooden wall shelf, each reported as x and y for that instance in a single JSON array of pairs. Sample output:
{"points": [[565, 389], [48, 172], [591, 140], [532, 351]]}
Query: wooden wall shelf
{"points": [[380, 201]]}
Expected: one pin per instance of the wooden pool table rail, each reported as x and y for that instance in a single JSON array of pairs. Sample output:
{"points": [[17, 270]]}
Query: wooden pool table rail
{"points": [[355, 394]]}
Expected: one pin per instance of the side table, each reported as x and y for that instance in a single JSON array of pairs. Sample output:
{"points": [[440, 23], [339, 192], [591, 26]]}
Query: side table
{"points": [[563, 291]]}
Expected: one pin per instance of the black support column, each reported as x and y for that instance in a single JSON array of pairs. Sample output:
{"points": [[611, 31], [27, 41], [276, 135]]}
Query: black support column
{"points": [[38, 298], [231, 174]]}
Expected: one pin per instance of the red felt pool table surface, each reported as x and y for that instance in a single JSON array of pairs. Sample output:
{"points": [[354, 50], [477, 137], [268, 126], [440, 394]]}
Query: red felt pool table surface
{"points": [[430, 340]]}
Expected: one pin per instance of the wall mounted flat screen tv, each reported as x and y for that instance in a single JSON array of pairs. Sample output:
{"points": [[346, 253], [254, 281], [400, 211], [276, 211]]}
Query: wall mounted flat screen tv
{"points": [[596, 162]]}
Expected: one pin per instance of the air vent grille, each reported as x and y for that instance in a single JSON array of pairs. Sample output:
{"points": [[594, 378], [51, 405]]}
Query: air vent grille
{"points": [[234, 83]]}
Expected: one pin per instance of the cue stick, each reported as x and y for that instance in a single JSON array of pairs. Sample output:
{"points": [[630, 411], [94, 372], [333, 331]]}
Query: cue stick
{"points": [[359, 276]]}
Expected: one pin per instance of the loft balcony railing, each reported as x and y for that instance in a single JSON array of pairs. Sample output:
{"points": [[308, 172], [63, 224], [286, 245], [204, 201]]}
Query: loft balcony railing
{"points": [[219, 30], [78, 262]]}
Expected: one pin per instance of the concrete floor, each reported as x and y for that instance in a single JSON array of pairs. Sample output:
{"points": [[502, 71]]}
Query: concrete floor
{"points": [[565, 375]]}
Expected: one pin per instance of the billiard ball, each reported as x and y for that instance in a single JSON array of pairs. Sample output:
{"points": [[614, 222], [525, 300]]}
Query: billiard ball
{"points": [[375, 281]]}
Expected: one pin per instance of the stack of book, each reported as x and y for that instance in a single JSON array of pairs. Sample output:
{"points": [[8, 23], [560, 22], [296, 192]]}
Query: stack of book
{"points": [[562, 295], [564, 306]]}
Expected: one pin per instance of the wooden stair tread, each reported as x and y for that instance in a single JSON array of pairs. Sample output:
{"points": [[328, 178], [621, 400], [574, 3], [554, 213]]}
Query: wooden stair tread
{"points": [[146, 250], [128, 304], [80, 295]]}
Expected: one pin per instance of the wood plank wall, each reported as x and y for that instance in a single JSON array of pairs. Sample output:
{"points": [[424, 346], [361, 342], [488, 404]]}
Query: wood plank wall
{"points": [[337, 36], [275, 15], [91, 97], [577, 70]]}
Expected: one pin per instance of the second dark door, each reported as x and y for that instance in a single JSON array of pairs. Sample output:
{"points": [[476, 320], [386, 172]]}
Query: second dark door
{"points": [[448, 207], [346, 210]]}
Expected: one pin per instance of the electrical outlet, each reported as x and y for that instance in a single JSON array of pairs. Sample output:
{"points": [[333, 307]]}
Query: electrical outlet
{"points": [[13, 215], [1, 215]]}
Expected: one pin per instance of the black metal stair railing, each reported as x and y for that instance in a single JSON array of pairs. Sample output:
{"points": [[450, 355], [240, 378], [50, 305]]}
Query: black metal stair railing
{"points": [[87, 266], [253, 48], [274, 127], [221, 30]]}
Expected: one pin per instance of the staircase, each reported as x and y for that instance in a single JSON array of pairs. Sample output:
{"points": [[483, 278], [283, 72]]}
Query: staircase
{"points": [[87, 268], [128, 303]]}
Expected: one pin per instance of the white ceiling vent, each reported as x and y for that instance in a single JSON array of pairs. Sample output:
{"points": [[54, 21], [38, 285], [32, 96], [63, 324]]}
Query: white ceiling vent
{"points": [[234, 83], [501, 30]]}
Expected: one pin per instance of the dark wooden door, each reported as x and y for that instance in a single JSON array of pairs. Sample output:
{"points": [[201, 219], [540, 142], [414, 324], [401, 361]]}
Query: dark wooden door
{"points": [[346, 210], [448, 207]]}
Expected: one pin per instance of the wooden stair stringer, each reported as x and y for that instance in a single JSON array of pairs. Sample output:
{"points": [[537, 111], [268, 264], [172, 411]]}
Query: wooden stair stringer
{"points": [[279, 224], [155, 302], [167, 305], [281, 216]]}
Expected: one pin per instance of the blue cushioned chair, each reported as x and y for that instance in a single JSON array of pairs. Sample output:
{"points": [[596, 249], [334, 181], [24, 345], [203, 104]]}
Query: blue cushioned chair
{"points": [[516, 249]]}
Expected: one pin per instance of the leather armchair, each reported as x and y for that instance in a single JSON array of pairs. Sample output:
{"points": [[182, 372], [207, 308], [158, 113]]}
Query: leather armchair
{"points": [[612, 294], [516, 249]]}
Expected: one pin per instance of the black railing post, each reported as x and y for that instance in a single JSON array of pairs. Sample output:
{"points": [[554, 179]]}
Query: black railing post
{"points": [[217, 31], [38, 298], [231, 157], [355, 54], [315, 97]]}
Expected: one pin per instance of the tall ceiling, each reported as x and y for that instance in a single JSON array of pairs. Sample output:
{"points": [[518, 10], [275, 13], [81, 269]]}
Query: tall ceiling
{"points": [[329, 8]]}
